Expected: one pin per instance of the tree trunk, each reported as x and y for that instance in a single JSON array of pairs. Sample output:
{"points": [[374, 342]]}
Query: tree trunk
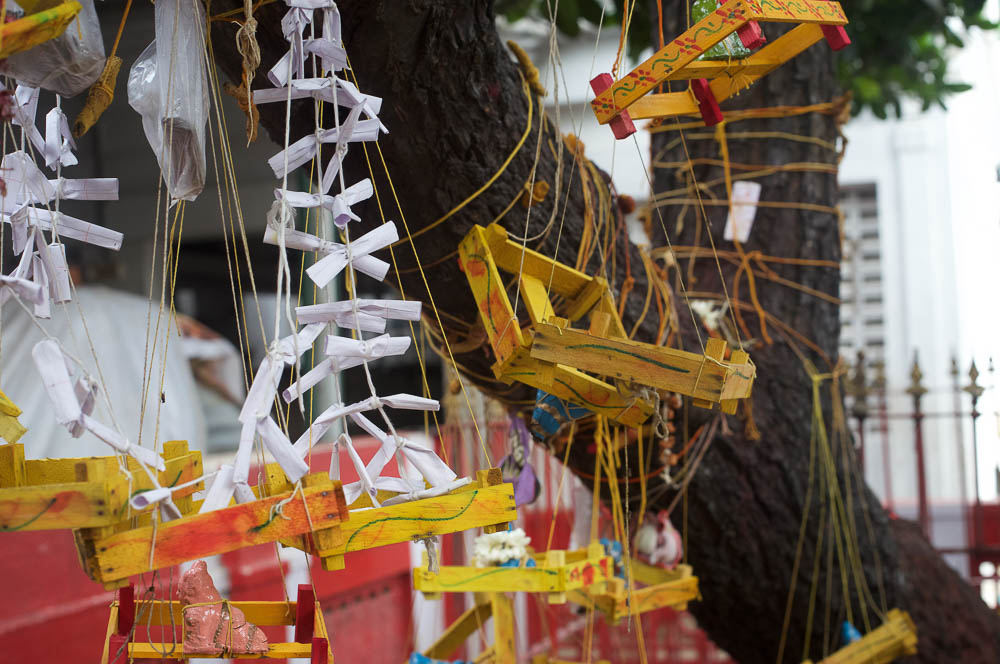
{"points": [[455, 106]]}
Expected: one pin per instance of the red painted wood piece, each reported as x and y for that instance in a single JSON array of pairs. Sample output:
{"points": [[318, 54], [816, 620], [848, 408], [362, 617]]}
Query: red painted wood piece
{"points": [[305, 614], [117, 643], [126, 610], [621, 125], [707, 104], [319, 651], [750, 34], [836, 36]]}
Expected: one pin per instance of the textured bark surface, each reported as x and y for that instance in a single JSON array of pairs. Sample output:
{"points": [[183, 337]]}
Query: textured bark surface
{"points": [[455, 107]]}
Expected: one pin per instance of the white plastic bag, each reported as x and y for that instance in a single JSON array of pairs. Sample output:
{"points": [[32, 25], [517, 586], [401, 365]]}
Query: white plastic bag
{"points": [[168, 86], [66, 65]]}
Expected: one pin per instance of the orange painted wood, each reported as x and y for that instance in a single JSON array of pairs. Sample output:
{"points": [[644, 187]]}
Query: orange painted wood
{"points": [[123, 554]]}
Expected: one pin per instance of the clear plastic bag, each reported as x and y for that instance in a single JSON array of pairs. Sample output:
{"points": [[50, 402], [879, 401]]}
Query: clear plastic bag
{"points": [[66, 65], [168, 86]]}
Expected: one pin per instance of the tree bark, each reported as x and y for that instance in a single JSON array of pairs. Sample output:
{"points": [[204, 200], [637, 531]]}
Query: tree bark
{"points": [[455, 107]]}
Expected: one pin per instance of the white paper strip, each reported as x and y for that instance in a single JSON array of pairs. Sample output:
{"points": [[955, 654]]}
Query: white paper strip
{"points": [[67, 226], [281, 449], [220, 492], [304, 149], [370, 349], [328, 311], [58, 385]]}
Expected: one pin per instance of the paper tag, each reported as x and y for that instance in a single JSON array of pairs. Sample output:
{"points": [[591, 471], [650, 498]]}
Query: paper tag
{"points": [[740, 219]]}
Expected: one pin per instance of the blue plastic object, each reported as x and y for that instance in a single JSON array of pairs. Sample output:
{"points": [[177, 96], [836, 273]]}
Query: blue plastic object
{"points": [[613, 548], [551, 412], [849, 633], [417, 658]]}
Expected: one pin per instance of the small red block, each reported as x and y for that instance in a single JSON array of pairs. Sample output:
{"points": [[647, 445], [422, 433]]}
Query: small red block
{"points": [[320, 651], [750, 34], [305, 614], [707, 104], [621, 125], [126, 610], [118, 648], [836, 36]]}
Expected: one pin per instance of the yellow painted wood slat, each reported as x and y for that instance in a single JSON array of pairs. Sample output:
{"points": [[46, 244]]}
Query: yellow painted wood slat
{"points": [[669, 369], [798, 11], [13, 467], [503, 629], [512, 257], [465, 626], [274, 651], [35, 29], [675, 594], [127, 553], [407, 522], [893, 639], [8, 407], [57, 506], [536, 299], [502, 328], [11, 429], [573, 385]]}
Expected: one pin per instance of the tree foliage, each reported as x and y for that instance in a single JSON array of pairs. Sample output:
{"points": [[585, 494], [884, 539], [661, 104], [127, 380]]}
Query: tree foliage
{"points": [[899, 49]]}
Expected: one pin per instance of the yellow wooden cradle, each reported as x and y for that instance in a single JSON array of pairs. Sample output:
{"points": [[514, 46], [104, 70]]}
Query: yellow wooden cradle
{"points": [[895, 638], [632, 98], [552, 356]]}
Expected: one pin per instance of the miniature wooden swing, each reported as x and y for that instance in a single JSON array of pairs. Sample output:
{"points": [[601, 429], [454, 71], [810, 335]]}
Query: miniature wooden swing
{"points": [[660, 588], [620, 102], [551, 355], [895, 638], [311, 638], [557, 573]]}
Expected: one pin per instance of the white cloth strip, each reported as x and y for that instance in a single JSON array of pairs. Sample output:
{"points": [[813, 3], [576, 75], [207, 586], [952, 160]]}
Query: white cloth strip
{"points": [[322, 89], [339, 205], [26, 289], [265, 382]]}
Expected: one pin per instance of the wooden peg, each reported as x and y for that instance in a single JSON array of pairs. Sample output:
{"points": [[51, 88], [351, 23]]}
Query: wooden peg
{"points": [[728, 406], [305, 614], [599, 323], [126, 610], [319, 651], [12, 472], [836, 36], [621, 125], [715, 349], [707, 104]]}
